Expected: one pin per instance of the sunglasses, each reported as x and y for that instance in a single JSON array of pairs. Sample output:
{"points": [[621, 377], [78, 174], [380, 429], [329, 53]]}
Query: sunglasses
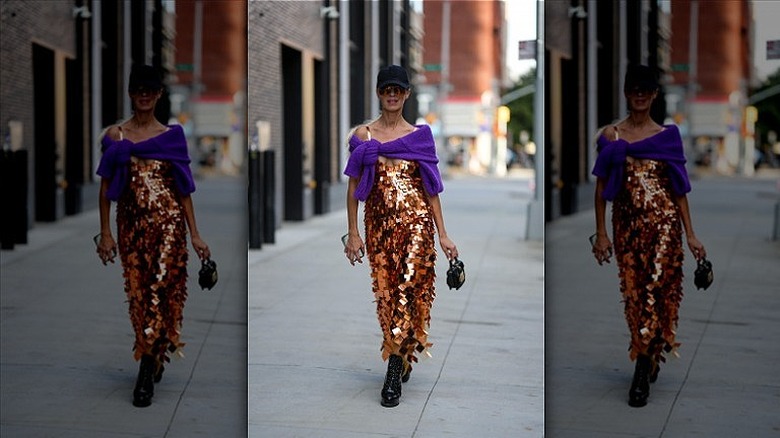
{"points": [[635, 90], [138, 91], [391, 89]]}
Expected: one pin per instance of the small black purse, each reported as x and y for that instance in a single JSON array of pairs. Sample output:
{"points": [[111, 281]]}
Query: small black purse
{"points": [[703, 276], [456, 275], [207, 276]]}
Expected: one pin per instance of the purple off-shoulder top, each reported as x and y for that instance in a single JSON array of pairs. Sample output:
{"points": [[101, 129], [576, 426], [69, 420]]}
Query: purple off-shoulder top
{"points": [[665, 146], [169, 146], [417, 146]]}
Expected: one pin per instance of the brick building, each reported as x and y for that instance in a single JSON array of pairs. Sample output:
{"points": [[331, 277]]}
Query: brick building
{"points": [[311, 73], [588, 46], [462, 83], [39, 57], [208, 87], [708, 88], [64, 68]]}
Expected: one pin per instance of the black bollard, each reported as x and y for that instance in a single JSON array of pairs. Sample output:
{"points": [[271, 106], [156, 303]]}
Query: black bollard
{"points": [[255, 200], [269, 197]]}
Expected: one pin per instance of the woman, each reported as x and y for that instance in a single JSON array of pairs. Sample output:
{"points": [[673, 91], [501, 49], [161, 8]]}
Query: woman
{"points": [[145, 169], [393, 169], [641, 169]]}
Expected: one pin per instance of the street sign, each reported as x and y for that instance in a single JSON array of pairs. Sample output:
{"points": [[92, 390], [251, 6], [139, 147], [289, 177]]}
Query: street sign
{"points": [[773, 49], [679, 67], [432, 67], [526, 49]]}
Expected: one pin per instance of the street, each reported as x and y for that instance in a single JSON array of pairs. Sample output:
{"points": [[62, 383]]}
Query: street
{"points": [[725, 384], [315, 369], [67, 364]]}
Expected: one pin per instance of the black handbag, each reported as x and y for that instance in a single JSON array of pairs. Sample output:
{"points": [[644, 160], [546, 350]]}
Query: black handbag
{"points": [[456, 275], [703, 276], [207, 276]]}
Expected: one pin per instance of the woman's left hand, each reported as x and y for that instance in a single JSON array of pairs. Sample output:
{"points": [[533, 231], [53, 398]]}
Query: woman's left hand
{"points": [[201, 248], [696, 248], [449, 248]]}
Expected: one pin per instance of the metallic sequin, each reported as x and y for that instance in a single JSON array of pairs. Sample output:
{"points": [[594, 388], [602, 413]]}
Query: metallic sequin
{"points": [[401, 250], [649, 253], [152, 239]]}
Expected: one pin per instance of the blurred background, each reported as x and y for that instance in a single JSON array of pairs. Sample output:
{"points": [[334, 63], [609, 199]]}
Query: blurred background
{"points": [[719, 70], [65, 68], [312, 73]]}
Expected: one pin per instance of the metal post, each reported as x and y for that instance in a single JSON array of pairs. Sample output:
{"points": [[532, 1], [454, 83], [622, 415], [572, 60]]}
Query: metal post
{"points": [[592, 95], [444, 86], [269, 196], [535, 216], [693, 48], [255, 197]]}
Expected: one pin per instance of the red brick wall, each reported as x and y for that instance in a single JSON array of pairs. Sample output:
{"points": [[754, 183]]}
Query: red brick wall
{"points": [[475, 45], [723, 56], [224, 45]]}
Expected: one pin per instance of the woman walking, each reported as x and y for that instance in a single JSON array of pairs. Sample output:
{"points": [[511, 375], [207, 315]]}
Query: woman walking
{"points": [[145, 169], [393, 169], [641, 170]]}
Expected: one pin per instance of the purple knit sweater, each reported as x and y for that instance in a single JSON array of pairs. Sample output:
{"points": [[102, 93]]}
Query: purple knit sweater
{"points": [[169, 146], [417, 146], [665, 146]]}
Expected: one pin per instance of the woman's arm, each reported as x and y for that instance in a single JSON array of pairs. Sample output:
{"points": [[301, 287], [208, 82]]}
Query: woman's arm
{"points": [[354, 247], [106, 247], [602, 247], [447, 245], [685, 215], [197, 243]]}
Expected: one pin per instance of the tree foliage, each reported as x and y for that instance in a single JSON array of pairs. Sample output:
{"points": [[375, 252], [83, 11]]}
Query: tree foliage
{"points": [[768, 109], [522, 109]]}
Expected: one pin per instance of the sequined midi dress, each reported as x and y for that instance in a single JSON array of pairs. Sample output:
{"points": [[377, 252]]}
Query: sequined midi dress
{"points": [[649, 253], [401, 251], [152, 240]]}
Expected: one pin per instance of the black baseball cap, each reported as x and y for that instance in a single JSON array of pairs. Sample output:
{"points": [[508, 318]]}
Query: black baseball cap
{"points": [[144, 76], [392, 75], [642, 77]]}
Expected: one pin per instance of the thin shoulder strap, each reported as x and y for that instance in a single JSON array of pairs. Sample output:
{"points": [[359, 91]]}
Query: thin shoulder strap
{"points": [[121, 135], [369, 132]]}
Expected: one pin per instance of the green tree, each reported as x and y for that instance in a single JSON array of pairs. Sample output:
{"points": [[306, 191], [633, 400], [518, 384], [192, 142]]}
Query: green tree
{"points": [[768, 116], [522, 109]]}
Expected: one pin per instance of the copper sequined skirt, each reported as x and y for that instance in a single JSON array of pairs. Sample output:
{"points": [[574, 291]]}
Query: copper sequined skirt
{"points": [[649, 254], [401, 250], [152, 240]]}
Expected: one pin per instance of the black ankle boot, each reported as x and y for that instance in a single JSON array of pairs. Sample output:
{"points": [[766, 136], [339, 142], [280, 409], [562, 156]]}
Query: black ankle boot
{"points": [[144, 385], [655, 368], [159, 373], [391, 391], [640, 385]]}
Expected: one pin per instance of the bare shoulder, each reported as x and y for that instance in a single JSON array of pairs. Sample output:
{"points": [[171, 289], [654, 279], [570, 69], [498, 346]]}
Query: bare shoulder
{"points": [[113, 132], [361, 132], [610, 132]]}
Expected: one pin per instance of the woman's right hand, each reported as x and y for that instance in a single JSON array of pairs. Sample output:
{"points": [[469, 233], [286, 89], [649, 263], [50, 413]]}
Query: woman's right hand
{"points": [[106, 248], [602, 249], [354, 249]]}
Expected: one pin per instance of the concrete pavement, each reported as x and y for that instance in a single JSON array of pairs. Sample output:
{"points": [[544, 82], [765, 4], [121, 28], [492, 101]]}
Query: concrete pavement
{"points": [[67, 365], [725, 384], [315, 368]]}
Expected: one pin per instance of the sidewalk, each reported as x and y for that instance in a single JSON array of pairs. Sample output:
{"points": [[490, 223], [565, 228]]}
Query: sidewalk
{"points": [[726, 382], [67, 364], [315, 369]]}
